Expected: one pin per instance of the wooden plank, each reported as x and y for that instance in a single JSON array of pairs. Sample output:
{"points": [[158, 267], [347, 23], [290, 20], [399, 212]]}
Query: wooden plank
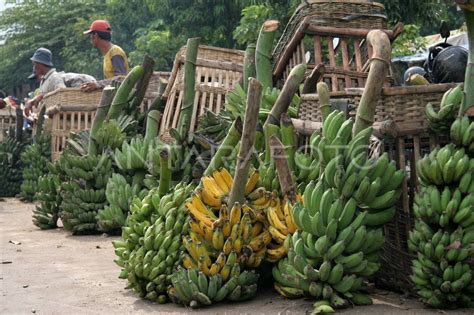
{"points": [[342, 32], [219, 104], [177, 110], [345, 60], [318, 57], [303, 52], [358, 57]]}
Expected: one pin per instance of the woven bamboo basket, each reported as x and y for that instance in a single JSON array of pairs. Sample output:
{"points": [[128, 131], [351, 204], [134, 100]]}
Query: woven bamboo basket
{"points": [[217, 71], [7, 120], [402, 131], [331, 32]]}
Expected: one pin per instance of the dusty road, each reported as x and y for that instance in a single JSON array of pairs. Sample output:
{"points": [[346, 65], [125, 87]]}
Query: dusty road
{"points": [[52, 272]]}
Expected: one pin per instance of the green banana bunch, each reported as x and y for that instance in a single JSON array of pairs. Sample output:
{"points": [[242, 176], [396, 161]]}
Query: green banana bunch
{"points": [[35, 158], [132, 156], [462, 133], [444, 166], [268, 177], [449, 107], [83, 190], [213, 127], [46, 214], [110, 136], [236, 103], [10, 165], [152, 241], [193, 288]]}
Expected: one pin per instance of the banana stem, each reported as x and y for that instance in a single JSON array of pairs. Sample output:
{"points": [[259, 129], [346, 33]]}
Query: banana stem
{"points": [[288, 139], [148, 65], [285, 97], [159, 102], [254, 97], [269, 131], [123, 92], [249, 65], [288, 187], [165, 172], [311, 81], [324, 101], [138, 178], [377, 73], [184, 121], [259, 138], [152, 126], [105, 100], [263, 53], [226, 148], [468, 101]]}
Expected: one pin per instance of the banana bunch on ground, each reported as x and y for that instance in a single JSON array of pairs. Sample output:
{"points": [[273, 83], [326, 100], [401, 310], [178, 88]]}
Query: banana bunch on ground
{"points": [[83, 190], [119, 194], [35, 159], [449, 107], [445, 166], [10, 166], [152, 242], [462, 133], [46, 213], [213, 126], [236, 101], [281, 225], [224, 241]]}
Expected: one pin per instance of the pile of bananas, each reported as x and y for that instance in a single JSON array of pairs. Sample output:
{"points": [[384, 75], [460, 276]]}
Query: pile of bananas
{"points": [[462, 133], [119, 194], [132, 156], [179, 162], [83, 190], [223, 242], [236, 101], [445, 166], [441, 121], [213, 126], [152, 242], [443, 233], [46, 214], [35, 159], [10, 166], [110, 135]]}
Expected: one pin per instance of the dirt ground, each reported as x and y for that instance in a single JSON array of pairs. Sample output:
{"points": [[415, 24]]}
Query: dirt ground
{"points": [[52, 272]]}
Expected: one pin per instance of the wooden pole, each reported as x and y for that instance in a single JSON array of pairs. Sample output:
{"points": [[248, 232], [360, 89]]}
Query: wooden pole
{"points": [[309, 85], [285, 97], [249, 65], [287, 185], [106, 99], [263, 53], [192, 47], [148, 65], [324, 101], [254, 97], [373, 88]]}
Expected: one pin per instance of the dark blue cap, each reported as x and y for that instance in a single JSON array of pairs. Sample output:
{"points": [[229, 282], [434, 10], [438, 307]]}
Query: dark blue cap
{"points": [[44, 56]]}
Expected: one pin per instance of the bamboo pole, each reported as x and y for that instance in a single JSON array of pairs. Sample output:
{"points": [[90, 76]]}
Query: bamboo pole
{"points": [[249, 65], [184, 121], [153, 119], [105, 100], [309, 85], [285, 97], [288, 139], [269, 130], [468, 101], [373, 88], [287, 185], [263, 53], [148, 65], [254, 97], [165, 172], [324, 101], [227, 146]]}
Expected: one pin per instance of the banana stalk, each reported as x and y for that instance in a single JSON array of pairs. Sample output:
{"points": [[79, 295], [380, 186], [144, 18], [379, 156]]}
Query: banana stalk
{"points": [[159, 102], [325, 104], [165, 173], [288, 139], [249, 65], [259, 138], [148, 64], [263, 55], [100, 115], [285, 97], [226, 147], [311, 81], [468, 102], [152, 126], [373, 88], [269, 130], [123, 92], [282, 165], [192, 47], [254, 97]]}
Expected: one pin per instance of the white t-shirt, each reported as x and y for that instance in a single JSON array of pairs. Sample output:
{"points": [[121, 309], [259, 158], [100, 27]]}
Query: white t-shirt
{"points": [[51, 81]]}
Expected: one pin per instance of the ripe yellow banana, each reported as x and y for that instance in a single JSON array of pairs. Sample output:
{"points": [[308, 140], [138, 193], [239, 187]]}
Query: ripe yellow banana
{"points": [[275, 221], [220, 182], [227, 177], [251, 182]]}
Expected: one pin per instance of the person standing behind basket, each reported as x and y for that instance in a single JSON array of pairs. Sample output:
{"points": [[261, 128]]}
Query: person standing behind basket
{"points": [[115, 63], [49, 78]]}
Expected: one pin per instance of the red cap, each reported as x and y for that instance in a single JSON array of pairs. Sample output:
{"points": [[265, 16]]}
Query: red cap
{"points": [[99, 26]]}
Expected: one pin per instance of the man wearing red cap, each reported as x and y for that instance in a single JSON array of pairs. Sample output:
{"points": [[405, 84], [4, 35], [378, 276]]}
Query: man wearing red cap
{"points": [[115, 59]]}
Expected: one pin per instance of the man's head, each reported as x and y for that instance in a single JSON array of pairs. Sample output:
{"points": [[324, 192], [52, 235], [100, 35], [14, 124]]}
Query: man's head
{"points": [[99, 31], [42, 61]]}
